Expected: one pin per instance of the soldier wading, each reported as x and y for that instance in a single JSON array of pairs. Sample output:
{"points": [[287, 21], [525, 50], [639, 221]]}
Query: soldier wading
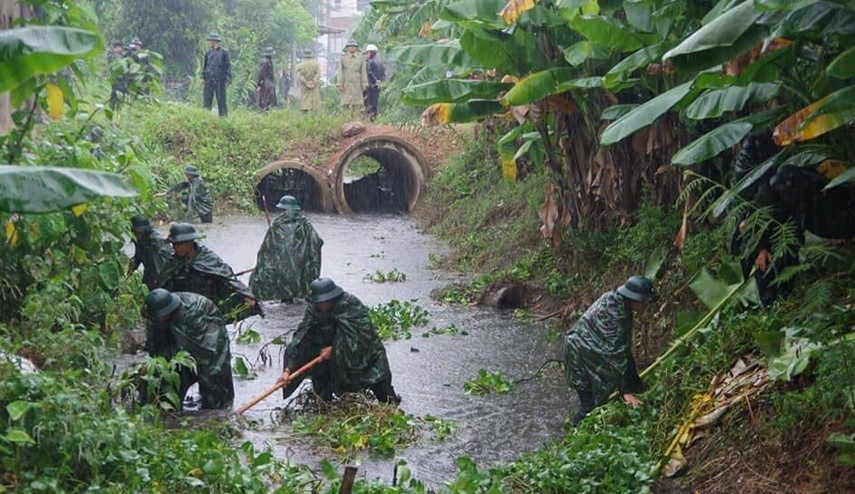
{"points": [[150, 249], [192, 323], [336, 327], [598, 348], [195, 268], [289, 258], [194, 196]]}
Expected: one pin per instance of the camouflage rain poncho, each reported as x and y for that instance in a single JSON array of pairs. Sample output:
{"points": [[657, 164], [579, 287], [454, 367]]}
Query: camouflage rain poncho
{"points": [[196, 198], [358, 357], [152, 251], [289, 259], [597, 351], [206, 274], [198, 329]]}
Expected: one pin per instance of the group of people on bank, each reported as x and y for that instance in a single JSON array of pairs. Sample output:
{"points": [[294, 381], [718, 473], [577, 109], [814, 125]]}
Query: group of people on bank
{"points": [[194, 294]]}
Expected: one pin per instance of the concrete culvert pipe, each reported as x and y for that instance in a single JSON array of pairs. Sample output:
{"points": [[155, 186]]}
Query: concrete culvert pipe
{"points": [[388, 177], [293, 178]]}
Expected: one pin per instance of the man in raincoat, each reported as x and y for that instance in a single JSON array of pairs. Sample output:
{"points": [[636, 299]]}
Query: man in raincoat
{"points": [[336, 326], [196, 268], [192, 323], [353, 79], [216, 75], [309, 76], [264, 79], [195, 196], [150, 249], [598, 348], [289, 258]]}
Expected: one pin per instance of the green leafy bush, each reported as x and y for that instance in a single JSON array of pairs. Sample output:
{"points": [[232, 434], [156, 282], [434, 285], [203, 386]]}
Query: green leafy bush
{"points": [[394, 319]]}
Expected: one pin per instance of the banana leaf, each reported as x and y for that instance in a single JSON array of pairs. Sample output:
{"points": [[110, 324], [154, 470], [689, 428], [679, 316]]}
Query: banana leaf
{"points": [[513, 9], [644, 114], [727, 36], [516, 54], [844, 178], [452, 91], [434, 54], [37, 189], [822, 116], [30, 51], [639, 59], [782, 4], [817, 20], [577, 53], [843, 67], [614, 112], [471, 111], [537, 86], [608, 32], [715, 103], [477, 11]]}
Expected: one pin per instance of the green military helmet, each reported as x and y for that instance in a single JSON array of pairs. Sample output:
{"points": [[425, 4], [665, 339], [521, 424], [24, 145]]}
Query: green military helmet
{"points": [[637, 288], [323, 290], [135, 41], [182, 232], [269, 51], [191, 170], [289, 203], [140, 223], [307, 53], [214, 37], [160, 303]]}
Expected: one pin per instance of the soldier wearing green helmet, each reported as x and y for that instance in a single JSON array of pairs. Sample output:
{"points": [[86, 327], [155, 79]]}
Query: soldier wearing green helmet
{"points": [[598, 348], [289, 258], [150, 249], [336, 326], [182, 321], [194, 196], [196, 268]]}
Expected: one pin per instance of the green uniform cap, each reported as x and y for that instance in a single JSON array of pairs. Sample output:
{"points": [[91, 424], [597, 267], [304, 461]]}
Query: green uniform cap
{"points": [[160, 303], [182, 232], [637, 288], [214, 37], [351, 42], [191, 170], [323, 290]]}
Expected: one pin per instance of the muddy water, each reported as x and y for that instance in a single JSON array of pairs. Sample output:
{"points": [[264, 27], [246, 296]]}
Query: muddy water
{"points": [[427, 372]]}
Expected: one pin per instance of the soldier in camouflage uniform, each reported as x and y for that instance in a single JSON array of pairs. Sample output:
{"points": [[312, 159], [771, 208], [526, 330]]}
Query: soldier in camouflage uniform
{"points": [[337, 327], [192, 323], [150, 249], [289, 258], [195, 268], [598, 349], [352, 79], [195, 196]]}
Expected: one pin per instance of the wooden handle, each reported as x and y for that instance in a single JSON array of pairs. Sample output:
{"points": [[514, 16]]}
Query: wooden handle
{"points": [[269, 391]]}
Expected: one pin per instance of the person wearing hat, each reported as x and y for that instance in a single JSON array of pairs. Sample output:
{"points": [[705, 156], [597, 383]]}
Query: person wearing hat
{"points": [[196, 268], [119, 86], [264, 80], [353, 79], [336, 327], [183, 321], [598, 348], [150, 250], [216, 75], [195, 196], [289, 258], [309, 77], [376, 75]]}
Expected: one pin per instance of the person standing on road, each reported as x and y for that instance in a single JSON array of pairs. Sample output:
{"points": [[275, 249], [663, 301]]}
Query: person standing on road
{"points": [[376, 76], [264, 80], [353, 79], [336, 326], [216, 75], [309, 76], [598, 348]]}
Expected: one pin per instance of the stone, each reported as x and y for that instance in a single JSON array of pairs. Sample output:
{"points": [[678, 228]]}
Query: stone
{"points": [[351, 129]]}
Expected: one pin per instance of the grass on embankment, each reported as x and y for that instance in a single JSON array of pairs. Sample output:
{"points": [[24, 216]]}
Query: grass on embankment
{"points": [[228, 151]]}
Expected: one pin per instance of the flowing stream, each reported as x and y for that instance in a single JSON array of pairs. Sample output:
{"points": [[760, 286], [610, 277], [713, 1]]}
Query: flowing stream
{"points": [[428, 373]]}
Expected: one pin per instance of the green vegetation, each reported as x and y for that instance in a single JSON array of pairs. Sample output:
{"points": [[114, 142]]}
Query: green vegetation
{"points": [[394, 319], [488, 382], [393, 276]]}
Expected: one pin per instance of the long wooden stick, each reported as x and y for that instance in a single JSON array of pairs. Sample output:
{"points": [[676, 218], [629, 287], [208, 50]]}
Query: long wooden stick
{"points": [[269, 391]]}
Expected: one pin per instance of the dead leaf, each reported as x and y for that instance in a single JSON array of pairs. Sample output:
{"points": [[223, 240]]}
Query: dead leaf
{"points": [[514, 9]]}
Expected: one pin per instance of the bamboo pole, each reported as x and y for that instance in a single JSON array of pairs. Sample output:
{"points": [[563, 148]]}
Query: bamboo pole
{"points": [[269, 391]]}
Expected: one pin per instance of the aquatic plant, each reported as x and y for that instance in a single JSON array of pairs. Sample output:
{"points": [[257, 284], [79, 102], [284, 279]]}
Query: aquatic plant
{"points": [[488, 382]]}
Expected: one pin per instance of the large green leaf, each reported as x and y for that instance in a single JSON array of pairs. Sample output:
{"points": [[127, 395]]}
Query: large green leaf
{"points": [[480, 11], [817, 20], [537, 86], [607, 32], [36, 189], [822, 116], [517, 54], [730, 34], [717, 102], [639, 59], [452, 91], [781, 4], [844, 178], [435, 54], [644, 115], [711, 144], [577, 53], [471, 111], [843, 67], [30, 51]]}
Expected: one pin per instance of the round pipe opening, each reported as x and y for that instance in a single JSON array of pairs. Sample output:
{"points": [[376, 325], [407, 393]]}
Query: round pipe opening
{"points": [[295, 179]]}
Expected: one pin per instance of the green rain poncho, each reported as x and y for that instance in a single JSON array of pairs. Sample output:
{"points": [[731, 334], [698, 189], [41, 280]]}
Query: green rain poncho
{"points": [[597, 351], [208, 275], [197, 328], [152, 251], [196, 198], [289, 259], [358, 357]]}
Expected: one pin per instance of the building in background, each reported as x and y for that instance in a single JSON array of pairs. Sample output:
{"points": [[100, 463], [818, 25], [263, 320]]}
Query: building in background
{"points": [[336, 20]]}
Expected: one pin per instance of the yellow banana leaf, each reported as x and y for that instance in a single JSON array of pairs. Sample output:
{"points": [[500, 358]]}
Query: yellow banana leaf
{"points": [[12, 237], [78, 210], [591, 8], [54, 100], [833, 111], [514, 9], [831, 168]]}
